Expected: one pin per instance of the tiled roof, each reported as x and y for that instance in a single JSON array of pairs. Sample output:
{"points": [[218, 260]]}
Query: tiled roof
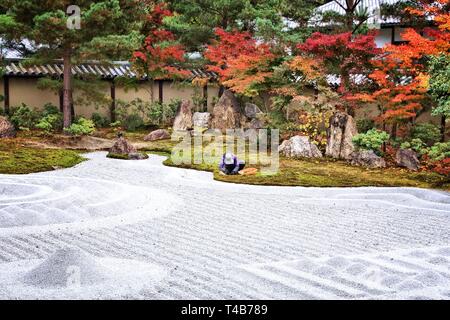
{"points": [[373, 7], [118, 69]]}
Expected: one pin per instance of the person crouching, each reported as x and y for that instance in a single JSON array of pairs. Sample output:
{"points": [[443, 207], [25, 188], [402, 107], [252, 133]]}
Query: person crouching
{"points": [[230, 164]]}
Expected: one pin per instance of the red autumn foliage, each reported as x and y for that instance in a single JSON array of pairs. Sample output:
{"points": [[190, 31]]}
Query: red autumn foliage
{"points": [[342, 54], [241, 63], [400, 75], [159, 54]]}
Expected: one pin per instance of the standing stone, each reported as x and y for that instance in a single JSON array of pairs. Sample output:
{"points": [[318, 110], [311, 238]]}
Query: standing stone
{"points": [[122, 147], [201, 120], [367, 158], [226, 113], [183, 119], [299, 147], [6, 128], [407, 158], [160, 134], [251, 110], [340, 134]]}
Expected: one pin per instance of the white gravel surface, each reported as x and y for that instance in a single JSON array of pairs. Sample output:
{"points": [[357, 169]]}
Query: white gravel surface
{"points": [[139, 230]]}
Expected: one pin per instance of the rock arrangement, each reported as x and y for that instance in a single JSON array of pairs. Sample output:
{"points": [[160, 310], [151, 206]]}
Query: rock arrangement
{"points": [[6, 128], [341, 132], [183, 118], [122, 149], [367, 158], [299, 147], [408, 159], [160, 134]]}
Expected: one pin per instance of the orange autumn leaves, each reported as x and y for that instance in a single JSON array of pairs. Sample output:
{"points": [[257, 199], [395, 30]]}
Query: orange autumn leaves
{"points": [[243, 64]]}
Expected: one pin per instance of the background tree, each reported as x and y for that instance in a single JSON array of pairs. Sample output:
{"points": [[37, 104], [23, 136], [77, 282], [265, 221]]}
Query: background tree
{"points": [[160, 56], [344, 55], [109, 30]]}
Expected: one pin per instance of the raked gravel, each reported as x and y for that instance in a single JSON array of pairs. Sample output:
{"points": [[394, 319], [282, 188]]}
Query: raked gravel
{"points": [[140, 230]]}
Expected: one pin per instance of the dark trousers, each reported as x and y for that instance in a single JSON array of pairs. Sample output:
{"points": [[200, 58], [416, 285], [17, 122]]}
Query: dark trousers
{"points": [[230, 167]]}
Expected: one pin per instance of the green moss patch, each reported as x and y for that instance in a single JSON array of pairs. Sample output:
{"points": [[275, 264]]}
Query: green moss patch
{"points": [[318, 173], [16, 158]]}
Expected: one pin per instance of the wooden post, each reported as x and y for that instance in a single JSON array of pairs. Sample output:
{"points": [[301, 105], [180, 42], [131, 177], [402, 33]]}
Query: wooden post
{"points": [[6, 93], [113, 102], [161, 91], [205, 97]]}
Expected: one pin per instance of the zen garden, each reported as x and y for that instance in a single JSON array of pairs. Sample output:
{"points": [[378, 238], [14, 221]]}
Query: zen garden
{"points": [[225, 149]]}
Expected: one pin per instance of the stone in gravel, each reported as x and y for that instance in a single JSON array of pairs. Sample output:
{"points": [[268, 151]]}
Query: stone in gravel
{"points": [[122, 146], [66, 267], [183, 119], [137, 156], [160, 134], [340, 134], [226, 113], [122, 149], [367, 158], [299, 147], [6, 128], [251, 110], [407, 158]]}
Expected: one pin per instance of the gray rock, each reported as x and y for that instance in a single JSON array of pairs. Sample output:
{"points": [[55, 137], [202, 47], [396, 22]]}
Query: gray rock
{"points": [[137, 156], [251, 110], [255, 124], [6, 128], [407, 158], [201, 120], [299, 147], [367, 158], [122, 147], [160, 134], [226, 113], [183, 119], [340, 134]]}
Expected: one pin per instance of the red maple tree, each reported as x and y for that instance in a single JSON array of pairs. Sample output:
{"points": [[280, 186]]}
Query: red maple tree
{"points": [[160, 54], [243, 64], [344, 55]]}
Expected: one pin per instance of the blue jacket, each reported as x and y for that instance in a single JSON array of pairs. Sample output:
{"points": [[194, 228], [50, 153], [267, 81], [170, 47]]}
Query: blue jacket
{"points": [[222, 164]]}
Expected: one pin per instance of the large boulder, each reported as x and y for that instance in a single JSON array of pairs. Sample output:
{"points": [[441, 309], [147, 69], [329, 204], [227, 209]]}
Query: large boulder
{"points": [[183, 118], [367, 158], [160, 134], [340, 134], [407, 158], [122, 149], [299, 147], [226, 113], [201, 120], [251, 110], [6, 128]]}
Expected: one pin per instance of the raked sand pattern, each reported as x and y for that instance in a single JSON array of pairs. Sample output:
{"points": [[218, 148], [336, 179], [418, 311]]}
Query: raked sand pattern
{"points": [[145, 231]]}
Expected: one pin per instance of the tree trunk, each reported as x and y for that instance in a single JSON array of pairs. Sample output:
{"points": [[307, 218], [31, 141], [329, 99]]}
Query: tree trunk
{"points": [[443, 120], [67, 90]]}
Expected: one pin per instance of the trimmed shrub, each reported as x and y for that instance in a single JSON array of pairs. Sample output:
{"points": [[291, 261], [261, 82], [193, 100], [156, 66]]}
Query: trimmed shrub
{"points": [[440, 151], [49, 123], [133, 122], [371, 140], [23, 117], [99, 120], [427, 132], [415, 144], [81, 127]]}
